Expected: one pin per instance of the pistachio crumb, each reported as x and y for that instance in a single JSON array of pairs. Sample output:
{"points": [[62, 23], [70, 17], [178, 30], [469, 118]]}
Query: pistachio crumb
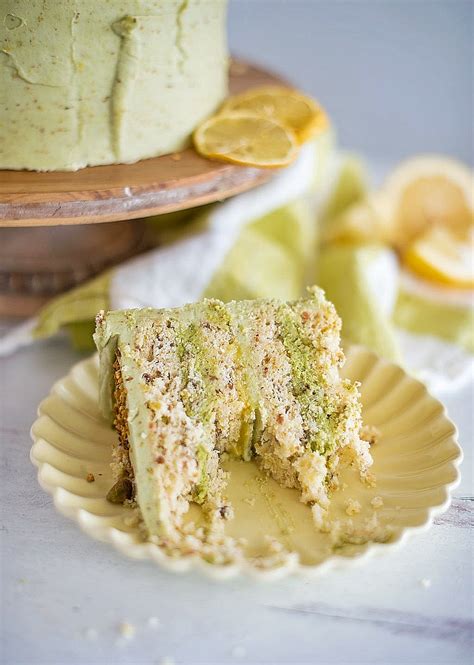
{"points": [[121, 491]]}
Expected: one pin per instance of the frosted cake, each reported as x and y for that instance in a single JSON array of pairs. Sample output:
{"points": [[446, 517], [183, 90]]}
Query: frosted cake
{"points": [[257, 380], [88, 82]]}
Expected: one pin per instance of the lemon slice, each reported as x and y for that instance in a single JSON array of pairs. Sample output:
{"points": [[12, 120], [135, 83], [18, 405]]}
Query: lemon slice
{"points": [[246, 139], [430, 191], [285, 105], [440, 256]]}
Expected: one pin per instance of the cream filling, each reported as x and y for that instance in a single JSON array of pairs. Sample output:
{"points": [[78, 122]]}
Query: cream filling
{"points": [[278, 426]]}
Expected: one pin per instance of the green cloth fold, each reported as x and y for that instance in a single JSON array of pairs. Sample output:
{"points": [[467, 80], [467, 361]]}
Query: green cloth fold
{"points": [[76, 307], [277, 256], [344, 274], [270, 258]]}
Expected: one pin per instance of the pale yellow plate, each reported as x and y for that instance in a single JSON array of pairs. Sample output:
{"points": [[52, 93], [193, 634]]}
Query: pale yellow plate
{"points": [[416, 464]]}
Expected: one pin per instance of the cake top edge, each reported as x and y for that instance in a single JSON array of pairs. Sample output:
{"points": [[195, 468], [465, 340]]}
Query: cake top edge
{"points": [[315, 296]]}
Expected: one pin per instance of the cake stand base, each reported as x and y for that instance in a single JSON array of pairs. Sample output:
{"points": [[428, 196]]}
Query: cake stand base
{"points": [[37, 264]]}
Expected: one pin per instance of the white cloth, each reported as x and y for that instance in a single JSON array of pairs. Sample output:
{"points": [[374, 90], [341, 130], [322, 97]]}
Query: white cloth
{"points": [[442, 366], [178, 273]]}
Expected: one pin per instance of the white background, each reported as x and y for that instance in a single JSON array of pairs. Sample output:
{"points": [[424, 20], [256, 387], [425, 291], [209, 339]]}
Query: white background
{"points": [[396, 78]]}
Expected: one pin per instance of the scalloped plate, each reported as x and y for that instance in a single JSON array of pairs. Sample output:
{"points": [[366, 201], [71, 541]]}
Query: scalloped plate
{"points": [[416, 462]]}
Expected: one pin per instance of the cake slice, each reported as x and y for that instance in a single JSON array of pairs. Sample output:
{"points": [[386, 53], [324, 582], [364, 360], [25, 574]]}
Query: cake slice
{"points": [[256, 380]]}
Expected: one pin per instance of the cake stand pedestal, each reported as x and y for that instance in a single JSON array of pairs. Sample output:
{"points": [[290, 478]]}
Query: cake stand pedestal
{"points": [[54, 234]]}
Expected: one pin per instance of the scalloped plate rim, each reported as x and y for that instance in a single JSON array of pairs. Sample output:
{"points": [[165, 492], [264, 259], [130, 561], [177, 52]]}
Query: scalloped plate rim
{"points": [[151, 552]]}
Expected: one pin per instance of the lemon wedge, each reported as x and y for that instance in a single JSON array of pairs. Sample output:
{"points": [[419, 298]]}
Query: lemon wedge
{"points": [[246, 139], [427, 192], [286, 106], [440, 256]]}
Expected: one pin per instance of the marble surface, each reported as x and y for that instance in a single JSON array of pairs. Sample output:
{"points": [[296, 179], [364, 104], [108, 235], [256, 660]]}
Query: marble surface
{"points": [[65, 596]]}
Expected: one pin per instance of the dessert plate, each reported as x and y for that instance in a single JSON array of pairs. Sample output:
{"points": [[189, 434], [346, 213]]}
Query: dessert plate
{"points": [[416, 460]]}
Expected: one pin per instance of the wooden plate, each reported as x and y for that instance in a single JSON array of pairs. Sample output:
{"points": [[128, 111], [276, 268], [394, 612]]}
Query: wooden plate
{"points": [[128, 191]]}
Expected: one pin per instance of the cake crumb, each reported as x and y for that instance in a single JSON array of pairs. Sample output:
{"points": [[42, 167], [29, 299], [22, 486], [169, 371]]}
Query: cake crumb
{"points": [[154, 622], [370, 434], [425, 583], [377, 502], [353, 507], [176, 157], [369, 479], [239, 652], [90, 477], [127, 630], [250, 501], [132, 520]]}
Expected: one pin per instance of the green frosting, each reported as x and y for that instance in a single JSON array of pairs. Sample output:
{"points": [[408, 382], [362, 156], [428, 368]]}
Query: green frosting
{"points": [[89, 82], [192, 346], [308, 384]]}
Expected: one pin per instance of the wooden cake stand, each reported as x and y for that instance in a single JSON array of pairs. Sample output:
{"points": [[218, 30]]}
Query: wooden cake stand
{"points": [[56, 236]]}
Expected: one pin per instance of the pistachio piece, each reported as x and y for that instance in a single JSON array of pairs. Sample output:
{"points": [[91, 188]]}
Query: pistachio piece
{"points": [[121, 491]]}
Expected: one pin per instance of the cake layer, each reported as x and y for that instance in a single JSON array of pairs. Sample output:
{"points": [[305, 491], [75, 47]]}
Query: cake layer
{"points": [[251, 379], [88, 82]]}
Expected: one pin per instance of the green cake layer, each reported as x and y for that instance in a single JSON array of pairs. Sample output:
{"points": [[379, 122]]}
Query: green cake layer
{"points": [[252, 379]]}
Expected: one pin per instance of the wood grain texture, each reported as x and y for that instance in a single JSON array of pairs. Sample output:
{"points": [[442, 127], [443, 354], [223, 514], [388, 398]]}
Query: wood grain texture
{"points": [[38, 263], [128, 191]]}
